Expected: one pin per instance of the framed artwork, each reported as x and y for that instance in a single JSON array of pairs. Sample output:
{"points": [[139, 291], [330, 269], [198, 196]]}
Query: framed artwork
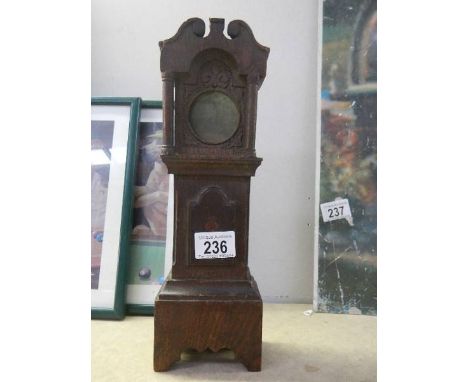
{"points": [[114, 135], [150, 243]]}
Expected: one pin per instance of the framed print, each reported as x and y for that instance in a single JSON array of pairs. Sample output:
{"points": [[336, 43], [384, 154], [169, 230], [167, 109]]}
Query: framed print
{"points": [[150, 243], [114, 135]]}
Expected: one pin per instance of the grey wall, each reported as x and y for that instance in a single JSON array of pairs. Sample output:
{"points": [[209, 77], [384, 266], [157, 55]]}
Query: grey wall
{"points": [[125, 62]]}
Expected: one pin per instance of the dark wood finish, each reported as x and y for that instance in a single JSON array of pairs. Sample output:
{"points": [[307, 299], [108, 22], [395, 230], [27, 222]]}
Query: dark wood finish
{"points": [[210, 303], [211, 318], [194, 64]]}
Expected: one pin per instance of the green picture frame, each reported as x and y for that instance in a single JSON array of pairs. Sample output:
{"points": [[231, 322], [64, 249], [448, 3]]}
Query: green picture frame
{"points": [[116, 308], [149, 252]]}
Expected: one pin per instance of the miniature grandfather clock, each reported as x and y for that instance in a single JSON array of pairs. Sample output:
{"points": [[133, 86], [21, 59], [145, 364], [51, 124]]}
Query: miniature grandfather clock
{"points": [[210, 300]]}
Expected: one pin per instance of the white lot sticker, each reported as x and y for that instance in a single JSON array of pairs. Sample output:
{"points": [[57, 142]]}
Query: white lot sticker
{"points": [[338, 209], [215, 245]]}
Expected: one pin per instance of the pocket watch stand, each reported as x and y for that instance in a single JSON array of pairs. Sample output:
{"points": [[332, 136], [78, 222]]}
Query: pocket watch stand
{"points": [[210, 300]]}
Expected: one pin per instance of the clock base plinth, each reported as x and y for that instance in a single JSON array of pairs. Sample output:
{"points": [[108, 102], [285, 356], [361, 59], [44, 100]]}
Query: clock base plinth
{"points": [[202, 320]]}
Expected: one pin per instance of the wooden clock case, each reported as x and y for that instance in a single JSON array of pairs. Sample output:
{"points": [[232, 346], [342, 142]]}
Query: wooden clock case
{"points": [[210, 303]]}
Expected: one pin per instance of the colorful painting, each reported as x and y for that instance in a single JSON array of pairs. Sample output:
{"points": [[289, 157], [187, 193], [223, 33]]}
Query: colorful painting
{"points": [[147, 246], [347, 280]]}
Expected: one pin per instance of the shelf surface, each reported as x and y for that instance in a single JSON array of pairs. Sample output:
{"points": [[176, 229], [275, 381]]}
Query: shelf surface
{"points": [[296, 347]]}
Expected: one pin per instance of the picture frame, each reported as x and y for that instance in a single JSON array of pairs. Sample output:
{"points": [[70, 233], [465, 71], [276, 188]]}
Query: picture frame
{"points": [[114, 134], [151, 238]]}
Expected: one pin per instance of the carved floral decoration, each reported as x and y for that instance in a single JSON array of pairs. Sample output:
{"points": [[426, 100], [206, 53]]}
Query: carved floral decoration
{"points": [[215, 74]]}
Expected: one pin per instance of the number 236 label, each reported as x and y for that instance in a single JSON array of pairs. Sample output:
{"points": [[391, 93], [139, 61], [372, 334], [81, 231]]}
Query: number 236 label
{"points": [[215, 245], [338, 209]]}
